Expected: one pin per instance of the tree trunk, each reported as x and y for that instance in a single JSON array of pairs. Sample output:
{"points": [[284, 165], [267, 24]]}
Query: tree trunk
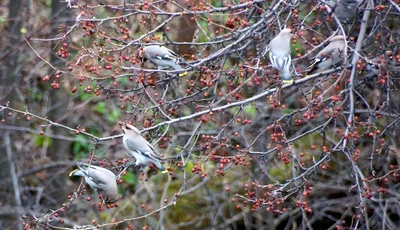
{"points": [[10, 79], [59, 150]]}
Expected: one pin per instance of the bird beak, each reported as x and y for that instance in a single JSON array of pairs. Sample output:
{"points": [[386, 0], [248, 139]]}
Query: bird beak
{"points": [[113, 201], [71, 173], [141, 55], [130, 126]]}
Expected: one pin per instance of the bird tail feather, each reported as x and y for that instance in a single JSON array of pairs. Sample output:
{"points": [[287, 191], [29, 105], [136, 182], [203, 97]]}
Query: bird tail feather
{"points": [[178, 67], [160, 167], [77, 172], [286, 77], [71, 173]]}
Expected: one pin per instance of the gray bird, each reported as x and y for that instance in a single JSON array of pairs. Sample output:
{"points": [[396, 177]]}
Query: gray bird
{"points": [[100, 179], [375, 65], [344, 9], [139, 148], [331, 55], [279, 54], [162, 57]]}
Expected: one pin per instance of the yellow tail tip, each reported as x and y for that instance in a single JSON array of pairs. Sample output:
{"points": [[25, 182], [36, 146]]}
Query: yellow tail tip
{"points": [[287, 81], [312, 64], [165, 171], [70, 174], [182, 74]]}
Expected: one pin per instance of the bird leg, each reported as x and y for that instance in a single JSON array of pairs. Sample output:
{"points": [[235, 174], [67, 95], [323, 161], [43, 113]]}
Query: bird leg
{"points": [[143, 175], [125, 168]]}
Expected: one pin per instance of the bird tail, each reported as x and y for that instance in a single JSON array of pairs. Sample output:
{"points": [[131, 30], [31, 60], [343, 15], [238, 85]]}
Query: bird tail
{"points": [[182, 74], [285, 74], [77, 172], [178, 67], [160, 167], [311, 66], [163, 170], [83, 166]]}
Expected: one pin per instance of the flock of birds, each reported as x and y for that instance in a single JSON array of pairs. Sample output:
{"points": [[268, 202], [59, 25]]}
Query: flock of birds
{"points": [[279, 55], [280, 49], [104, 180]]}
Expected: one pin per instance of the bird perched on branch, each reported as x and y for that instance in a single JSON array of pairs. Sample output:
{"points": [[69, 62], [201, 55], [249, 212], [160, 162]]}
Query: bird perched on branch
{"points": [[140, 149], [331, 55], [382, 64], [344, 10], [100, 179], [162, 57], [279, 54]]}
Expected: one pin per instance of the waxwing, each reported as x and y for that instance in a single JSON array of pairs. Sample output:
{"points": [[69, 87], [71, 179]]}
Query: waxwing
{"points": [[279, 54], [162, 57], [100, 179], [140, 149], [331, 55]]}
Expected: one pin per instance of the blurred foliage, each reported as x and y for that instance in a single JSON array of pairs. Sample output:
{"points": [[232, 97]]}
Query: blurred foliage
{"points": [[129, 178], [81, 147], [42, 141]]}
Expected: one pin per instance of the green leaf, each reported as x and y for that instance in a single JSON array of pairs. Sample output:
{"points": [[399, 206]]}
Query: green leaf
{"points": [[281, 172], [250, 110], [124, 80], [189, 166], [85, 97], [80, 148], [101, 107], [2, 19], [114, 116], [234, 110], [42, 141], [287, 110], [129, 178]]}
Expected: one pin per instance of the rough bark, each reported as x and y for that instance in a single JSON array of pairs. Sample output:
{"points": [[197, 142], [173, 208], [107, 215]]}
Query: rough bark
{"points": [[59, 150], [10, 78]]}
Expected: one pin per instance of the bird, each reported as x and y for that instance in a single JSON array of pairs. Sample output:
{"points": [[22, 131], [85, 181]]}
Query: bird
{"points": [[140, 149], [162, 57], [279, 54], [379, 64], [100, 179], [331, 55], [343, 9]]}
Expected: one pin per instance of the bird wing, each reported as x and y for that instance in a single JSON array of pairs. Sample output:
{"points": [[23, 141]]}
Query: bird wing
{"points": [[279, 53], [334, 48], [83, 167], [171, 54], [97, 176], [324, 54], [163, 53], [279, 61], [147, 151]]}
